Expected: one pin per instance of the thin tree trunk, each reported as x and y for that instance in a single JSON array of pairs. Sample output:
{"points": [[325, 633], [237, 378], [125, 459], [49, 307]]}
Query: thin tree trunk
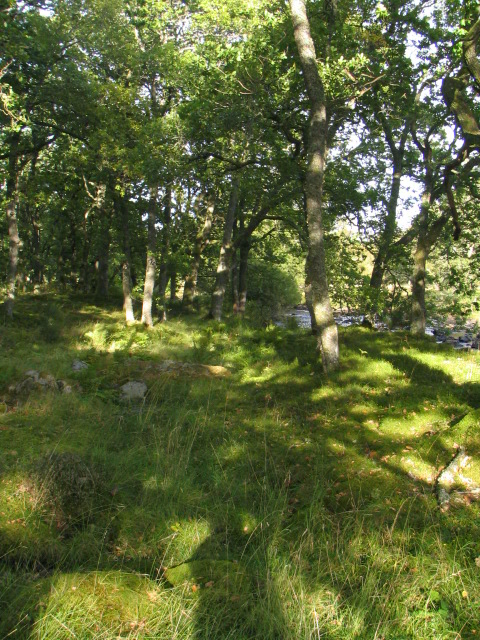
{"points": [[316, 281], [173, 286], [427, 236], [390, 224], [234, 267], [102, 265], [14, 247], [201, 241], [149, 285], [224, 260], [418, 320], [163, 271], [242, 277], [13, 237], [418, 284], [234, 273], [121, 207], [84, 271], [32, 216], [102, 268]]}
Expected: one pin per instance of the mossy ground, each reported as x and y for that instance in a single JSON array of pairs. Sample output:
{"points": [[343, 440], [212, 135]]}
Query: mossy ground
{"points": [[321, 491]]}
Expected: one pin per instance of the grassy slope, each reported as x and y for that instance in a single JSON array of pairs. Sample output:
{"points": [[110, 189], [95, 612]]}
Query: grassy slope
{"points": [[320, 493]]}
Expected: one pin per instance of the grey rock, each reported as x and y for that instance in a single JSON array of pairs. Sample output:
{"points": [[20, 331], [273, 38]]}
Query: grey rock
{"points": [[47, 382], [32, 373], [64, 387], [79, 365], [25, 386], [133, 390]]}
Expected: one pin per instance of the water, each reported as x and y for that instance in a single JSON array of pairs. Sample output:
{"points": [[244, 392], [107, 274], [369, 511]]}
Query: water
{"points": [[463, 338]]}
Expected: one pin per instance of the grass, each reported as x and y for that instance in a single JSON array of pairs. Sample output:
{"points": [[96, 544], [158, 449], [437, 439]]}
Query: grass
{"points": [[272, 503]]}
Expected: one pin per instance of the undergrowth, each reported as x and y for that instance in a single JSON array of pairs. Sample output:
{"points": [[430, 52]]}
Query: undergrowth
{"points": [[269, 503]]}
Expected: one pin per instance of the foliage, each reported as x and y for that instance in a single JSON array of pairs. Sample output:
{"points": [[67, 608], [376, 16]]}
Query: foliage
{"points": [[272, 288]]}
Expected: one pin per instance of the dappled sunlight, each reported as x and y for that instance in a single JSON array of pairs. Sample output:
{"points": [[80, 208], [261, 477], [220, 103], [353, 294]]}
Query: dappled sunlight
{"points": [[318, 493]]}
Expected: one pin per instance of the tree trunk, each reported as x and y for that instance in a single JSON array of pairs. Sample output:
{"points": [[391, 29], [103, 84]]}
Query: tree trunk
{"points": [[418, 320], [242, 278], [84, 270], [428, 234], [31, 211], [201, 241], [225, 258], [14, 247], [418, 284], [234, 273], [390, 224], [13, 237], [316, 280], [121, 207], [163, 273], [149, 285], [173, 286], [102, 264]]}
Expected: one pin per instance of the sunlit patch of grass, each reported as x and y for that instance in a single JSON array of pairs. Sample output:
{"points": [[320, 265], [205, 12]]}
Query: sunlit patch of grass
{"points": [[323, 490]]}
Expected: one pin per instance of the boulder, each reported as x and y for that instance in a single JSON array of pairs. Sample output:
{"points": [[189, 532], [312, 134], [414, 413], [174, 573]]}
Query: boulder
{"points": [[79, 365], [133, 390]]}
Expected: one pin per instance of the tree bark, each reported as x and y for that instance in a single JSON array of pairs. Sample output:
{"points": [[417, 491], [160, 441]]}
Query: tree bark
{"points": [[173, 286], [121, 206], [418, 320], [84, 270], [390, 224], [151, 266], [242, 278], [14, 247], [201, 241], [234, 277], [13, 236], [316, 280], [224, 261], [419, 269], [163, 272], [104, 243], [31, 214]]}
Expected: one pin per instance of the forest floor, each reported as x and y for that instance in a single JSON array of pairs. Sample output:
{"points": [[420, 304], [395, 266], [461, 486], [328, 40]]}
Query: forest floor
{"points": [[265, 501]]}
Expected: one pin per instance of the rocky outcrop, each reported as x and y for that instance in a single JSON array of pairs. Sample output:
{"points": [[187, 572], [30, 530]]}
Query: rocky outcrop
{"points": [[36, 381], [453, 485]]}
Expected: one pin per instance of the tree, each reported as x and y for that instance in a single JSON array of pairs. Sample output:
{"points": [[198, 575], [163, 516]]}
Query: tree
{"points": [[317, 284]]}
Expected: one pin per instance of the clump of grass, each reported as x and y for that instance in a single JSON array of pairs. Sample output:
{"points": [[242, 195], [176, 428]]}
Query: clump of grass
{"points": [[320, 490], [67, 488]]}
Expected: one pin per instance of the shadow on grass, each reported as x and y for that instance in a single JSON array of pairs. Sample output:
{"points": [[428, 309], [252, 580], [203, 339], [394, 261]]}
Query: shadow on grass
{"points": [[304, 483]]}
